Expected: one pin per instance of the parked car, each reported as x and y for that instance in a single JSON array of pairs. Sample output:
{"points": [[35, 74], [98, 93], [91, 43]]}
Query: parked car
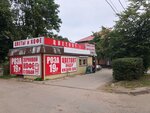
{"points": [[98, 67]]}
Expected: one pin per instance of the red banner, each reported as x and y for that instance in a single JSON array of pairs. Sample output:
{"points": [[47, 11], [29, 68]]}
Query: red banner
{"points": [[26, 65], [52, 65], [16, 65], [53, 42]]}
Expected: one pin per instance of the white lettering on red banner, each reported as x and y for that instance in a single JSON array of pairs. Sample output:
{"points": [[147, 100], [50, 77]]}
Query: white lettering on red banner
{"points": [[68, 64], [46, 41], [26, 65], [31, 65], [52, 65], [16, 65]]}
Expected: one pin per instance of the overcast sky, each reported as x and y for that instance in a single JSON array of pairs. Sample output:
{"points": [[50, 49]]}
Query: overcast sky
{"points": [[82, 17]]}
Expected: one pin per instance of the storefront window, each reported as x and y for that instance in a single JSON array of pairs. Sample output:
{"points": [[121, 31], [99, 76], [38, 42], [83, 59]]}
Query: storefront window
{"points": [[82, 61]]}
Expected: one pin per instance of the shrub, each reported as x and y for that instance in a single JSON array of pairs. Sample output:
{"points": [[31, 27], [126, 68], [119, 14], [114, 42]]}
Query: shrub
{"points": [[6, 70], [127, 68]]}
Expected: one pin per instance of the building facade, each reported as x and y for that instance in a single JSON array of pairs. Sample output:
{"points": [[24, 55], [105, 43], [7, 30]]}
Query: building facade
{"points": [[48, 58]]}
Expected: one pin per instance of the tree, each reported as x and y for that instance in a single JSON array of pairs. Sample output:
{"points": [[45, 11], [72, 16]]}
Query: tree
{"points": [[6, 25], [35, 18], [131, 35], [101, 40], [58, 37]]}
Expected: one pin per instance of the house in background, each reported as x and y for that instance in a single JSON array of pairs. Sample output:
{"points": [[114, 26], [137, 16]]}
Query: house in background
{"points": [[86, 41]]}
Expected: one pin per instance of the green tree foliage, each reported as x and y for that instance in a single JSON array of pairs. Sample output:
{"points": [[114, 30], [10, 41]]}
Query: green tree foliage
{"points": [[101, 40], [6, 26], [35, 18], [20, 19], [131, 35], [58, 37], [127, 68]]}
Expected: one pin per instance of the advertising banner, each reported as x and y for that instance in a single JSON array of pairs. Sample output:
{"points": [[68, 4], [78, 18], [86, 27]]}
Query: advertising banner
{"points": [[28, 42], [68, 64], [52, 65], [26, 65], [31, 65], [16, 65]]}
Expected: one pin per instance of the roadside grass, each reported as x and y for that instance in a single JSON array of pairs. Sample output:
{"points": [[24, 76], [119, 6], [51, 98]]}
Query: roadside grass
{"points": [[38, 79], [7, 76], [144, 81]]}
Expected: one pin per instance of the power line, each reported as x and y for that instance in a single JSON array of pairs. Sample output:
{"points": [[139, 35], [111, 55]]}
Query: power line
{"points": [[121, 4], [111, 7]]}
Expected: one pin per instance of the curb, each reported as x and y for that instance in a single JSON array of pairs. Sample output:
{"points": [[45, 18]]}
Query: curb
{"points": [[138, 91]]}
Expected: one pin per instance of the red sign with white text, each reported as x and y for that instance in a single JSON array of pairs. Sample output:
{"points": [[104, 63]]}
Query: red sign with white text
{"points": [[52, 65], [53, 42], [16, 65], [68, 64], [26, 65], [46, 41], [31, 65]]}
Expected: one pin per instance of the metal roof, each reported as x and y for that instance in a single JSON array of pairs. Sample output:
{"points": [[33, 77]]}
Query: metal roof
{"points": [[86, 39]]}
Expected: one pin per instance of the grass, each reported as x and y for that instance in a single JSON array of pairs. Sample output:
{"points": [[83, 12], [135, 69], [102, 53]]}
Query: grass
{"points": [[7, 77], [144, 81], [38, 79]]}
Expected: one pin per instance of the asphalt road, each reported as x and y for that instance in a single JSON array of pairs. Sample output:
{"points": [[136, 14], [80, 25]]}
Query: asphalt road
{"points": [[70, 95]]}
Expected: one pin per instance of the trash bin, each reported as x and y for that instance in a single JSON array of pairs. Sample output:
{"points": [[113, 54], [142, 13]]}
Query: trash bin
{"points": [[88, 69]]}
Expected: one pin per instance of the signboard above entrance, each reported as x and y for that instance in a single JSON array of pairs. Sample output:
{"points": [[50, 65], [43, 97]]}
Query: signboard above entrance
{"points": [[46, 41], [28, 42], [69, 47]]}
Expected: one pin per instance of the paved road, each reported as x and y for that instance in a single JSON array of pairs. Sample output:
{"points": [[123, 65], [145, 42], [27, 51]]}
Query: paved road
{"points": [[25, 97], [88, 81]]}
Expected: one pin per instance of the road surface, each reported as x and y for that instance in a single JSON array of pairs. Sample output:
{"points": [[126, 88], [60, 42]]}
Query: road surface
{"points": [[77, 94]]}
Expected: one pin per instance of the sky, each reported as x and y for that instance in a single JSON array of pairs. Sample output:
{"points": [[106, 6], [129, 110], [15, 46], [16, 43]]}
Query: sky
{"points": [[82, 17]]}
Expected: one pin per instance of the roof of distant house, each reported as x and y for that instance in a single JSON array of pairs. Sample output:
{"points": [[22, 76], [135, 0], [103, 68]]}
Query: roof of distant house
{"points": [[86, 39]]}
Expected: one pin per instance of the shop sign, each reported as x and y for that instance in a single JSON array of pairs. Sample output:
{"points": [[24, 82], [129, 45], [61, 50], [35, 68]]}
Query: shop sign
{"points": [[76, 51], [46, 41], [91, 48], [31, 65], [26, 65], [29, 42], [16, 65], [52, 65], [53, 42], [68, 64]]}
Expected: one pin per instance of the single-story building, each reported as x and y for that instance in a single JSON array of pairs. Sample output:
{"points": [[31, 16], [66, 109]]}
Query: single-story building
{"points": [[48, 58]]}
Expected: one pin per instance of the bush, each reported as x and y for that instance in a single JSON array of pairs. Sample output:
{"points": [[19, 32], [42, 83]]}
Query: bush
{"points": [[6, 70], [127, 68]]}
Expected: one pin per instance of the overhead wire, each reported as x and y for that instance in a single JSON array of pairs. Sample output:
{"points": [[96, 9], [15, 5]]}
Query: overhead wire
{"points": [[121, 5], [111, 7]]}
